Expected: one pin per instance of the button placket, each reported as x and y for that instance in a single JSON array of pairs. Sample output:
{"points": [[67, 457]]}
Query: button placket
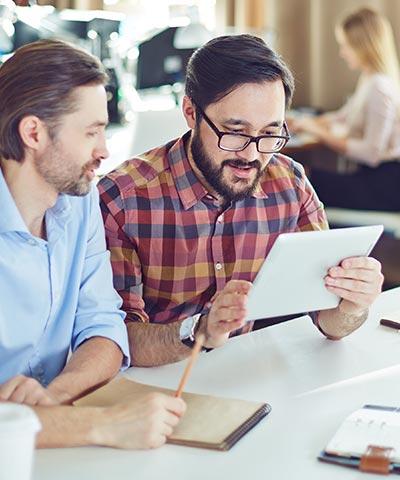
{"points": [[217, 252]]}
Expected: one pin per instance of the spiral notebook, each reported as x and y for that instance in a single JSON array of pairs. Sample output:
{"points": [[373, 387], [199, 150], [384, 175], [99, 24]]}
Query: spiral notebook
{"points": [[209, 422]]}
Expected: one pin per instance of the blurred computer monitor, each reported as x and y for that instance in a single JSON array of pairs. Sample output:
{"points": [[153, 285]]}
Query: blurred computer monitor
{"points": [[159, 62]]}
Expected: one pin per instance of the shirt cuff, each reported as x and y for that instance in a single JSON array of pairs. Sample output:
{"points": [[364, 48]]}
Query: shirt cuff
{"points": [[114, 333]]}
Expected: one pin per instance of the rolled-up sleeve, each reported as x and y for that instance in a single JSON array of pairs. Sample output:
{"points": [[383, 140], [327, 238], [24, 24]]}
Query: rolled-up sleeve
{"points": [[98, 312], [125, 260]]}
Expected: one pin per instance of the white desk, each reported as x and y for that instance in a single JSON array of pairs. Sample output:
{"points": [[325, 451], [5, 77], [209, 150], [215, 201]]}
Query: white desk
{"points": [[312, 384]]}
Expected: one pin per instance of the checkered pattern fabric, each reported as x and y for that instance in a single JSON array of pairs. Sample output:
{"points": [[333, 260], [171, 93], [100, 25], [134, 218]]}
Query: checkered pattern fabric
{"points": [[172, 246]]}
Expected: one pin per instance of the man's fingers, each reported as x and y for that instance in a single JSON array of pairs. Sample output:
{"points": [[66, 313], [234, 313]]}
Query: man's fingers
{"points": [[44, 399], [355, 273], [167, 430], [26, 390], [228, 311], [230, 300], [227, 327], [368, 263], [238, 286], [171, 419], [18, 395], [357, 298], [7, 389], [29, 391], [36, 396], [229, 314], [176, 406], [157, 441], [355, 286], [358, 280]]}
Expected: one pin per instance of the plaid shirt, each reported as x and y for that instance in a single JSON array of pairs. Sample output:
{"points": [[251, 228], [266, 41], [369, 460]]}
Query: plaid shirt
{"points": [[172, 246]]}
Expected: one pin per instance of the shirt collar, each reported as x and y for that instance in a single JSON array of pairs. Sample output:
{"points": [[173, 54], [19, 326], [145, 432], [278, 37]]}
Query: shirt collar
{"points": [[11, 219], [190, 189], [259, 191], [62, 208]]}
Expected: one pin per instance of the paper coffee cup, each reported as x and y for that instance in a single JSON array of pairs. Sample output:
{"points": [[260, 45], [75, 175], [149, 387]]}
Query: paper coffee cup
{"points": [[18, 428]]}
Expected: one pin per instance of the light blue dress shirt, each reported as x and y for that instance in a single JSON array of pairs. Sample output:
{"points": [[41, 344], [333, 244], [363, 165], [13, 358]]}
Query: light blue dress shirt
{"points": [[54, 294]]}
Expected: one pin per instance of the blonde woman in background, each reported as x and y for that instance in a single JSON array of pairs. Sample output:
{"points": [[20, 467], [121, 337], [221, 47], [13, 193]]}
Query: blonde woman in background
{"points": [[370, 120]]}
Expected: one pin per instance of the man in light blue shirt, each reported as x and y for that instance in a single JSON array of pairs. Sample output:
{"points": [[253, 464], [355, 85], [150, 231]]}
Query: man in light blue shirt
{"points": [[56, 291]]}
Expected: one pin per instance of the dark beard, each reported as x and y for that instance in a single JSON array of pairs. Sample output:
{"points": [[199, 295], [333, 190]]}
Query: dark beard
{"points": [[214, 175]]}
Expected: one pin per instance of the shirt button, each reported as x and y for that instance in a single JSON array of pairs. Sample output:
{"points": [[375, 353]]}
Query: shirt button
{"points": [[218, 266], [32, 242]]}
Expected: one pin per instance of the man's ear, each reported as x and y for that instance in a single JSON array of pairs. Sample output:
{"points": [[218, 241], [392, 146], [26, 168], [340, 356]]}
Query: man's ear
{"points": [[189, 112], [33, 132]]}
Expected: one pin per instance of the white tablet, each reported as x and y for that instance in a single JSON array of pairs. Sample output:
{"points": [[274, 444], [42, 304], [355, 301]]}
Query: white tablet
{"points": [[291, 279]]}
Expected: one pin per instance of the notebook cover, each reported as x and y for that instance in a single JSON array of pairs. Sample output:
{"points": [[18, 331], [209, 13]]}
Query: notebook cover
{"points": [[352, 462], [210, 422]]}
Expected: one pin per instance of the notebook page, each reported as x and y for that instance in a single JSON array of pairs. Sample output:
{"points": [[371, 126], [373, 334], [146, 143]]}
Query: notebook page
{"points": [[367, 426]]}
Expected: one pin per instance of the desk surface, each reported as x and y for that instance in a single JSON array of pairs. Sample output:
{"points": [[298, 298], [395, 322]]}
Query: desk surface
{"points": [[312, 384], [301, 143]]}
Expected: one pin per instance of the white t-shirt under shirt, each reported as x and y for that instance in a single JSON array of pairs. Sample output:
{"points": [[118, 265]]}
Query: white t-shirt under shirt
{"points": [[371, 120]]}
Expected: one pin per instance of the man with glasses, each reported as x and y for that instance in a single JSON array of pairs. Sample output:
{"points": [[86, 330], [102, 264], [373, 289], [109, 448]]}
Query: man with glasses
{"points": [[190, 223]]}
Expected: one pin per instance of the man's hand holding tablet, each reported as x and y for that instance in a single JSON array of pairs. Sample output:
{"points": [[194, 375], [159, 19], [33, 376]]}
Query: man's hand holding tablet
{"points": [[327, 271]]}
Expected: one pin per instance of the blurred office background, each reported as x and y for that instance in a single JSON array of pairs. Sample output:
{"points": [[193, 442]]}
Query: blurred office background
{"points": [[145, 45], [151, 40], [301, 30]]}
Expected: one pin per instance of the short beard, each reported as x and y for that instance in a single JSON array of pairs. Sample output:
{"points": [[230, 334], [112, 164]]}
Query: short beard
{"points": [[58, 171], [214, 175]]}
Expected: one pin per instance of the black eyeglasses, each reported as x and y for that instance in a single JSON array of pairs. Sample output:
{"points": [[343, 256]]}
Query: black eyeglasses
{"points": [[236, 142]]}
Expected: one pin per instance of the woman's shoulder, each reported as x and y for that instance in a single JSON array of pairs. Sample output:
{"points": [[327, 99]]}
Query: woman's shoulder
{"points": [[382, 83]]}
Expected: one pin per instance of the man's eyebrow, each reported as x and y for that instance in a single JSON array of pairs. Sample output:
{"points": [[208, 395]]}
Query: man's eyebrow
{"points": [[238, 121], [97, 124]]}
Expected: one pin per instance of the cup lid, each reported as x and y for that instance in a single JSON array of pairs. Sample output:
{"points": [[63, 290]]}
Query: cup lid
{"points": [[14, 416]]}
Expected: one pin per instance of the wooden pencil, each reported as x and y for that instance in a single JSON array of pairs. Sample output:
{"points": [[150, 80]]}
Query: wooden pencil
{"points": [[195, 352]]}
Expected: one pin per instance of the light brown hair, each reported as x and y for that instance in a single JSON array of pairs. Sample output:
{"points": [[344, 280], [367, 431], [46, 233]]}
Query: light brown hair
{"points": [[40, 79], [370, 35]]}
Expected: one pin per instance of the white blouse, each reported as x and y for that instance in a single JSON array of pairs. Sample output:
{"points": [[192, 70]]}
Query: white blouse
{"points": [[371, 120]]}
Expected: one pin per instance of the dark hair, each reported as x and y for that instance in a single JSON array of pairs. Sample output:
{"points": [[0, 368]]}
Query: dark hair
{"points": [[39, 79], [226, 62]]}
